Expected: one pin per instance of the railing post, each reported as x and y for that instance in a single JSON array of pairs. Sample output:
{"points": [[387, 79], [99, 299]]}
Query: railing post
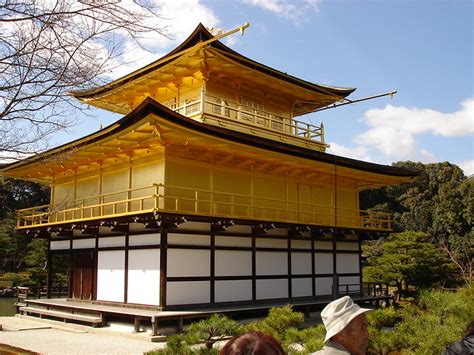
{"points": [[196, 201], [203, 97], [335, 286], [322, 133]]}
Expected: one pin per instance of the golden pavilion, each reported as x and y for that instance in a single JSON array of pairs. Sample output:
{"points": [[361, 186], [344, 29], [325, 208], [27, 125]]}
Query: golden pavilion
{"points": [[208, 191]]}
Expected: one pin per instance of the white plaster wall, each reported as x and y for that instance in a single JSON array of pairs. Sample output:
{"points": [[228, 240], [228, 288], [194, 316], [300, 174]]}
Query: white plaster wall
{"points": [[301, 244], [271, 263], [144, 239], [300, 263], [188, 262], [240, 229], [323, 263], [278, 231], [233, 241], [271, 243], [188, 239], [112, 242], [201, 226], [323, 286], [277, 288], [187, 292], [233, 263], [83, 243], [347, 263], [301, 287], [229, 291], [322, 245], [347, 246], [348, 280], [60, 244], [144, 276], [110, 275]]}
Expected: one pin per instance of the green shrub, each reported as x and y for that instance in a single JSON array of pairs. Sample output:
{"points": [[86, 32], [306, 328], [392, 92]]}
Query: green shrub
{"points": [[382, 317], [310, 339], [207, 331], [277, 323], [211, 330], [427, 326]]}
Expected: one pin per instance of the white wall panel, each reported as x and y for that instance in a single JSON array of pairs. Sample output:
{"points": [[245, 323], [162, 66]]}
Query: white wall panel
{"points": [[301, 287], [272, 243], [323, 263], [347, 263], [233, 263], [323, 286], [83, 243], [187, 292], [144, 276], [322, 245], [271, 263], [144, 239], [60, 244], [347, 246], [188, 239], [300, 263], [349, 280], [301, 244], [112, 242], [230, 291], [188, 262], [277, 288], [233, 241], [110, 275]]}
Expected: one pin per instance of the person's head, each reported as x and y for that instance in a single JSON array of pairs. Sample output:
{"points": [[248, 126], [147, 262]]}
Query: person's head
{"points": [[346, 324], [254, 343]]}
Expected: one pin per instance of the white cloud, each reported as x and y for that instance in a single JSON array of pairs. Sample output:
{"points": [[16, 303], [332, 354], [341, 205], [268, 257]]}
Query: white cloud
{"points": [[359, 153], [393, 129], [293, 10], [467, 166], [181, 17]]}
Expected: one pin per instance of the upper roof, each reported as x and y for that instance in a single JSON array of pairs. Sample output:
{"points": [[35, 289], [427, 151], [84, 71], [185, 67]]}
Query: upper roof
{"points": [[181, 124], [201, 34]]}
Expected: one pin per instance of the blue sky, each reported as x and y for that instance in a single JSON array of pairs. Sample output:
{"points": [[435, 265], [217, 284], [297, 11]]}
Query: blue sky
{"points": [[423, 49]]}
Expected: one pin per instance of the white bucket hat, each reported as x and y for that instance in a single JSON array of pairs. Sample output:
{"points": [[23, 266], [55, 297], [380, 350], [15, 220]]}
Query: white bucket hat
{"points": [[338, 314]]}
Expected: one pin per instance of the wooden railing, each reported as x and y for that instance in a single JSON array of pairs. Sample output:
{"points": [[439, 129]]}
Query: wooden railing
{"points": [[217, 109], [37, 292], [176, 199]]}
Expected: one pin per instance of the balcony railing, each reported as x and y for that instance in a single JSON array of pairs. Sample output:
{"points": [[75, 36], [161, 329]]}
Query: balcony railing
{"points": [[175, 199], [218, 111]]}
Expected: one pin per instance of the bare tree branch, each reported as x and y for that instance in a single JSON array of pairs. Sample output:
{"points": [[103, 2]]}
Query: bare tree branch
{"points": [[49, 47]]}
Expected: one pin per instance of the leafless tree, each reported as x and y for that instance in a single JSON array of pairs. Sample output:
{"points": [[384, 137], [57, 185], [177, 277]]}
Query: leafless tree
{"points": [[48, 47]]}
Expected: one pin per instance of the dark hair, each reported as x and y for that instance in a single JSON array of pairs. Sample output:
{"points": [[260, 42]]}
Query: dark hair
{"points": [[469, 330], [254, 343]]}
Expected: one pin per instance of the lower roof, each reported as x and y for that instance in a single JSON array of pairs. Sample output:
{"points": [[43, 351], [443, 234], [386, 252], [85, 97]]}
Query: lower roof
{"points": [[150, 106]]}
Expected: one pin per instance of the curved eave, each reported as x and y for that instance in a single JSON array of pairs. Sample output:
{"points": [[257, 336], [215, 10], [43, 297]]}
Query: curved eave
{"points": [[150, 106], [202, 34]]}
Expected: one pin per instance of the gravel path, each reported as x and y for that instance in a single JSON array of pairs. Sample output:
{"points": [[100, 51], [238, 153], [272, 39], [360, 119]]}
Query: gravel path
{"points": [[55, 341]]}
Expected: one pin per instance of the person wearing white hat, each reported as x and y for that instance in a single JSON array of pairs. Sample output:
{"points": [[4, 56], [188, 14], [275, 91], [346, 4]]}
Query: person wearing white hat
{"points": [[346, 328]]}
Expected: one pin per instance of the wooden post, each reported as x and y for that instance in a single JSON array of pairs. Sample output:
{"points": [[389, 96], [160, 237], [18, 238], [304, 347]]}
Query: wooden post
{"points": [[335, 286], [136, 325], [154, 325]]}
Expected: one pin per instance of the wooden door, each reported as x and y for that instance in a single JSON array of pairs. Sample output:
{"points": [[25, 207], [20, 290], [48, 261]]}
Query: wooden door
{"points": [[83, 275]]}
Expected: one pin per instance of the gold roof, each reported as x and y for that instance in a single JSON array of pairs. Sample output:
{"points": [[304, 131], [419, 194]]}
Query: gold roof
{"points": [[200, 58]]}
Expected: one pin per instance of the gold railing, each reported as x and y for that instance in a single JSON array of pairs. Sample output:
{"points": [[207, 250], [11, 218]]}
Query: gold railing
{"points": [[176, 199], [228, 111]]}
